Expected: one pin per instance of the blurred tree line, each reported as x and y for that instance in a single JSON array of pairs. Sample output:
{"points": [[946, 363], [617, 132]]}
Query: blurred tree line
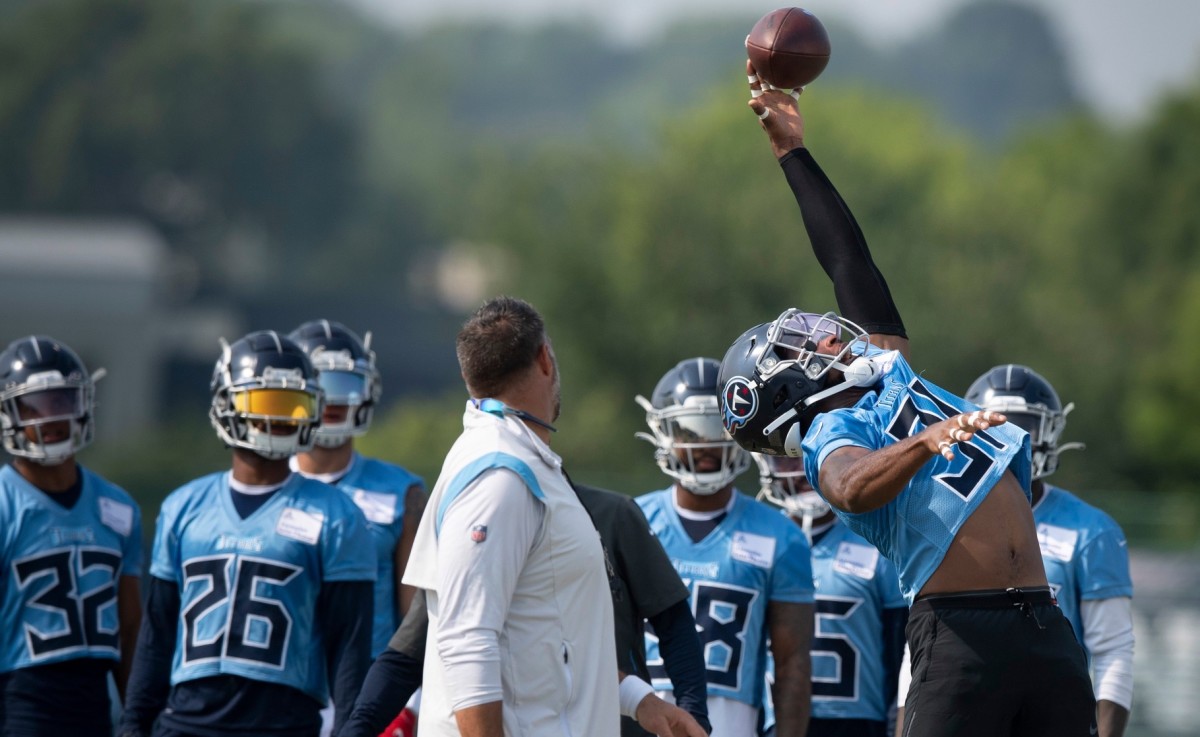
{"points": [[307, 155]]}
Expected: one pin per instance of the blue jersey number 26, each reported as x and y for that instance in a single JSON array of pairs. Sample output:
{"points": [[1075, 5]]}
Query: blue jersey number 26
{"points": [[227, 635]]}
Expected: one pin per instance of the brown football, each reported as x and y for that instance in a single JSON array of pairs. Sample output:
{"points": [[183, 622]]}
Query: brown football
{"points": [[788, 47]]}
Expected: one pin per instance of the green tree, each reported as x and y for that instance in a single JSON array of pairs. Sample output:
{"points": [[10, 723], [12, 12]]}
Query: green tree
{"points": [[177, 112]]}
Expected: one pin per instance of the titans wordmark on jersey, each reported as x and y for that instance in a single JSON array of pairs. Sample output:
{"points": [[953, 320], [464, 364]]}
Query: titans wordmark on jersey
{"points": [[60, 598], [248, 587], [915, 529], [379, 489], [1084, 551], [753, 557]]}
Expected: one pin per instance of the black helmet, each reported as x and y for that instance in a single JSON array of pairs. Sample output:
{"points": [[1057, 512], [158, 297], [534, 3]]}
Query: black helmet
{"points": [[43, 382], [346, 371], [684, 416], [263, 383], [773, 373], [1029, 402]]}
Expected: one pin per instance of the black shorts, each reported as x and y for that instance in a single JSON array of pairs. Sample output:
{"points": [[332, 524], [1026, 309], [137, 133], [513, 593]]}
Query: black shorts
{"points": [[996, 663]]}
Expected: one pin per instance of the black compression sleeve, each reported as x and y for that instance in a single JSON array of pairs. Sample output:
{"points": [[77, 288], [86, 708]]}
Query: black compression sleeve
{"points": [[150, 677], [894, 621], [683, 659], [409, 638], [346, 611], [838, 243], [390, 683]]}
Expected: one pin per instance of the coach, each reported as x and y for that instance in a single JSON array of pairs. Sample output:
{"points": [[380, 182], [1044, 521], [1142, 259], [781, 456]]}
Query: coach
{"points": [[520, 621]]}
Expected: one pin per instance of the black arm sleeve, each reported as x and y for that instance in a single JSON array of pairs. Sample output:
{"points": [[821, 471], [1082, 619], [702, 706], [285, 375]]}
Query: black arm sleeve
{"points": [[894, 621], [150, 677], [345, 609], [838, 243], [390, 683], [683, 659], [394, 675], [410, 636]]}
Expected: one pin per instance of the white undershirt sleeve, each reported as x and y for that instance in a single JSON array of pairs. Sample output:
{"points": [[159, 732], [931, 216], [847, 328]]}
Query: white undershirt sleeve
{"points": [[477, 579], [905, 678], [1108, 637]]}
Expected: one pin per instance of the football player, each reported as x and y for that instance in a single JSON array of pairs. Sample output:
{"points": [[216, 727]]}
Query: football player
{"points": [[391, 498], [858, 641], [71, 543], [1083, 549], [747, 567], [936, 485], [261, 585]]}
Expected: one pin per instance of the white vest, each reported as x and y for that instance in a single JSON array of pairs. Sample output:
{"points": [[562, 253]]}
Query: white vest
{"points": [[557, 651]]}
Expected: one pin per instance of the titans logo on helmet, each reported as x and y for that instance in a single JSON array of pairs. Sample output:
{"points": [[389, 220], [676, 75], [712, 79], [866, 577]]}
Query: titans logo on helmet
{"points": [[739, 402]]}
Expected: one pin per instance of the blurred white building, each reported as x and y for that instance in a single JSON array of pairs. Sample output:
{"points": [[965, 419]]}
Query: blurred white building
{"points": [[104, 287]]}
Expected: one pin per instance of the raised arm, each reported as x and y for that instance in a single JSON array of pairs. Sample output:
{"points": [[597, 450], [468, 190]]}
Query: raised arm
{"points": [[838, 243]]}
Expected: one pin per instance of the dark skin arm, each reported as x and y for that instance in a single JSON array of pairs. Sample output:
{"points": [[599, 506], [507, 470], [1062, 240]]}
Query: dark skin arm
{"points": [[129, 612], [414, 508], [857, 480], [791, 628], [1112, 718]]}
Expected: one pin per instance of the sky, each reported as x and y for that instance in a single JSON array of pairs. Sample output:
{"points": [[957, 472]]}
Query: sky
{"points": [[1124, 54]]}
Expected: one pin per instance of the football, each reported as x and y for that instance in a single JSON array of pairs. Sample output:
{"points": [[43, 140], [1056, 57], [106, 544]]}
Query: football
{"points": [[788, 47]]}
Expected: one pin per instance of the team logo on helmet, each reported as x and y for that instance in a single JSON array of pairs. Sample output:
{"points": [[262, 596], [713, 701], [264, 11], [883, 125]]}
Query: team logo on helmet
{"points": [[739, 403]]}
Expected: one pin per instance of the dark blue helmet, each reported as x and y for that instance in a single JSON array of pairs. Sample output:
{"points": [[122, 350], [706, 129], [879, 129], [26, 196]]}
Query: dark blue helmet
{"points": [[265, 396], [42, 384], [774, 373], [1030, 402], [685, 423], [346, 371]]}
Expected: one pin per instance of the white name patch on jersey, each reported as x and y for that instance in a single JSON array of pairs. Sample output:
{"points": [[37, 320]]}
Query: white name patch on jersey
{"points": [[117, 516], [1057, 542], [856, 560], [756, 550], [376, 507], [300, 525]]}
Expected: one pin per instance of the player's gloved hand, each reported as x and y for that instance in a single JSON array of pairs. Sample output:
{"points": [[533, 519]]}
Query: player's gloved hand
{"points": [[777, 112], [667, 720], [404, 725], [943, 436]]}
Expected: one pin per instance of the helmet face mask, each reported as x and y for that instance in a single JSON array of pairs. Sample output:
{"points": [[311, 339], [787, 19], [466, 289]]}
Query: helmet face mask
{"points": [[47, 400], [774, 372], [346, 371], [782, 482], [265, 396], [691, 445], [1031, 403]]}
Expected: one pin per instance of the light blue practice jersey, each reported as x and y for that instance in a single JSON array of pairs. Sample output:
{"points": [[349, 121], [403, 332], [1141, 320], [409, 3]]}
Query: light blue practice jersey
{"points": [[378, 488], [915, 529], [248, 587], [854, 585], [61, 569], [754, 556], [1084, 551]]}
